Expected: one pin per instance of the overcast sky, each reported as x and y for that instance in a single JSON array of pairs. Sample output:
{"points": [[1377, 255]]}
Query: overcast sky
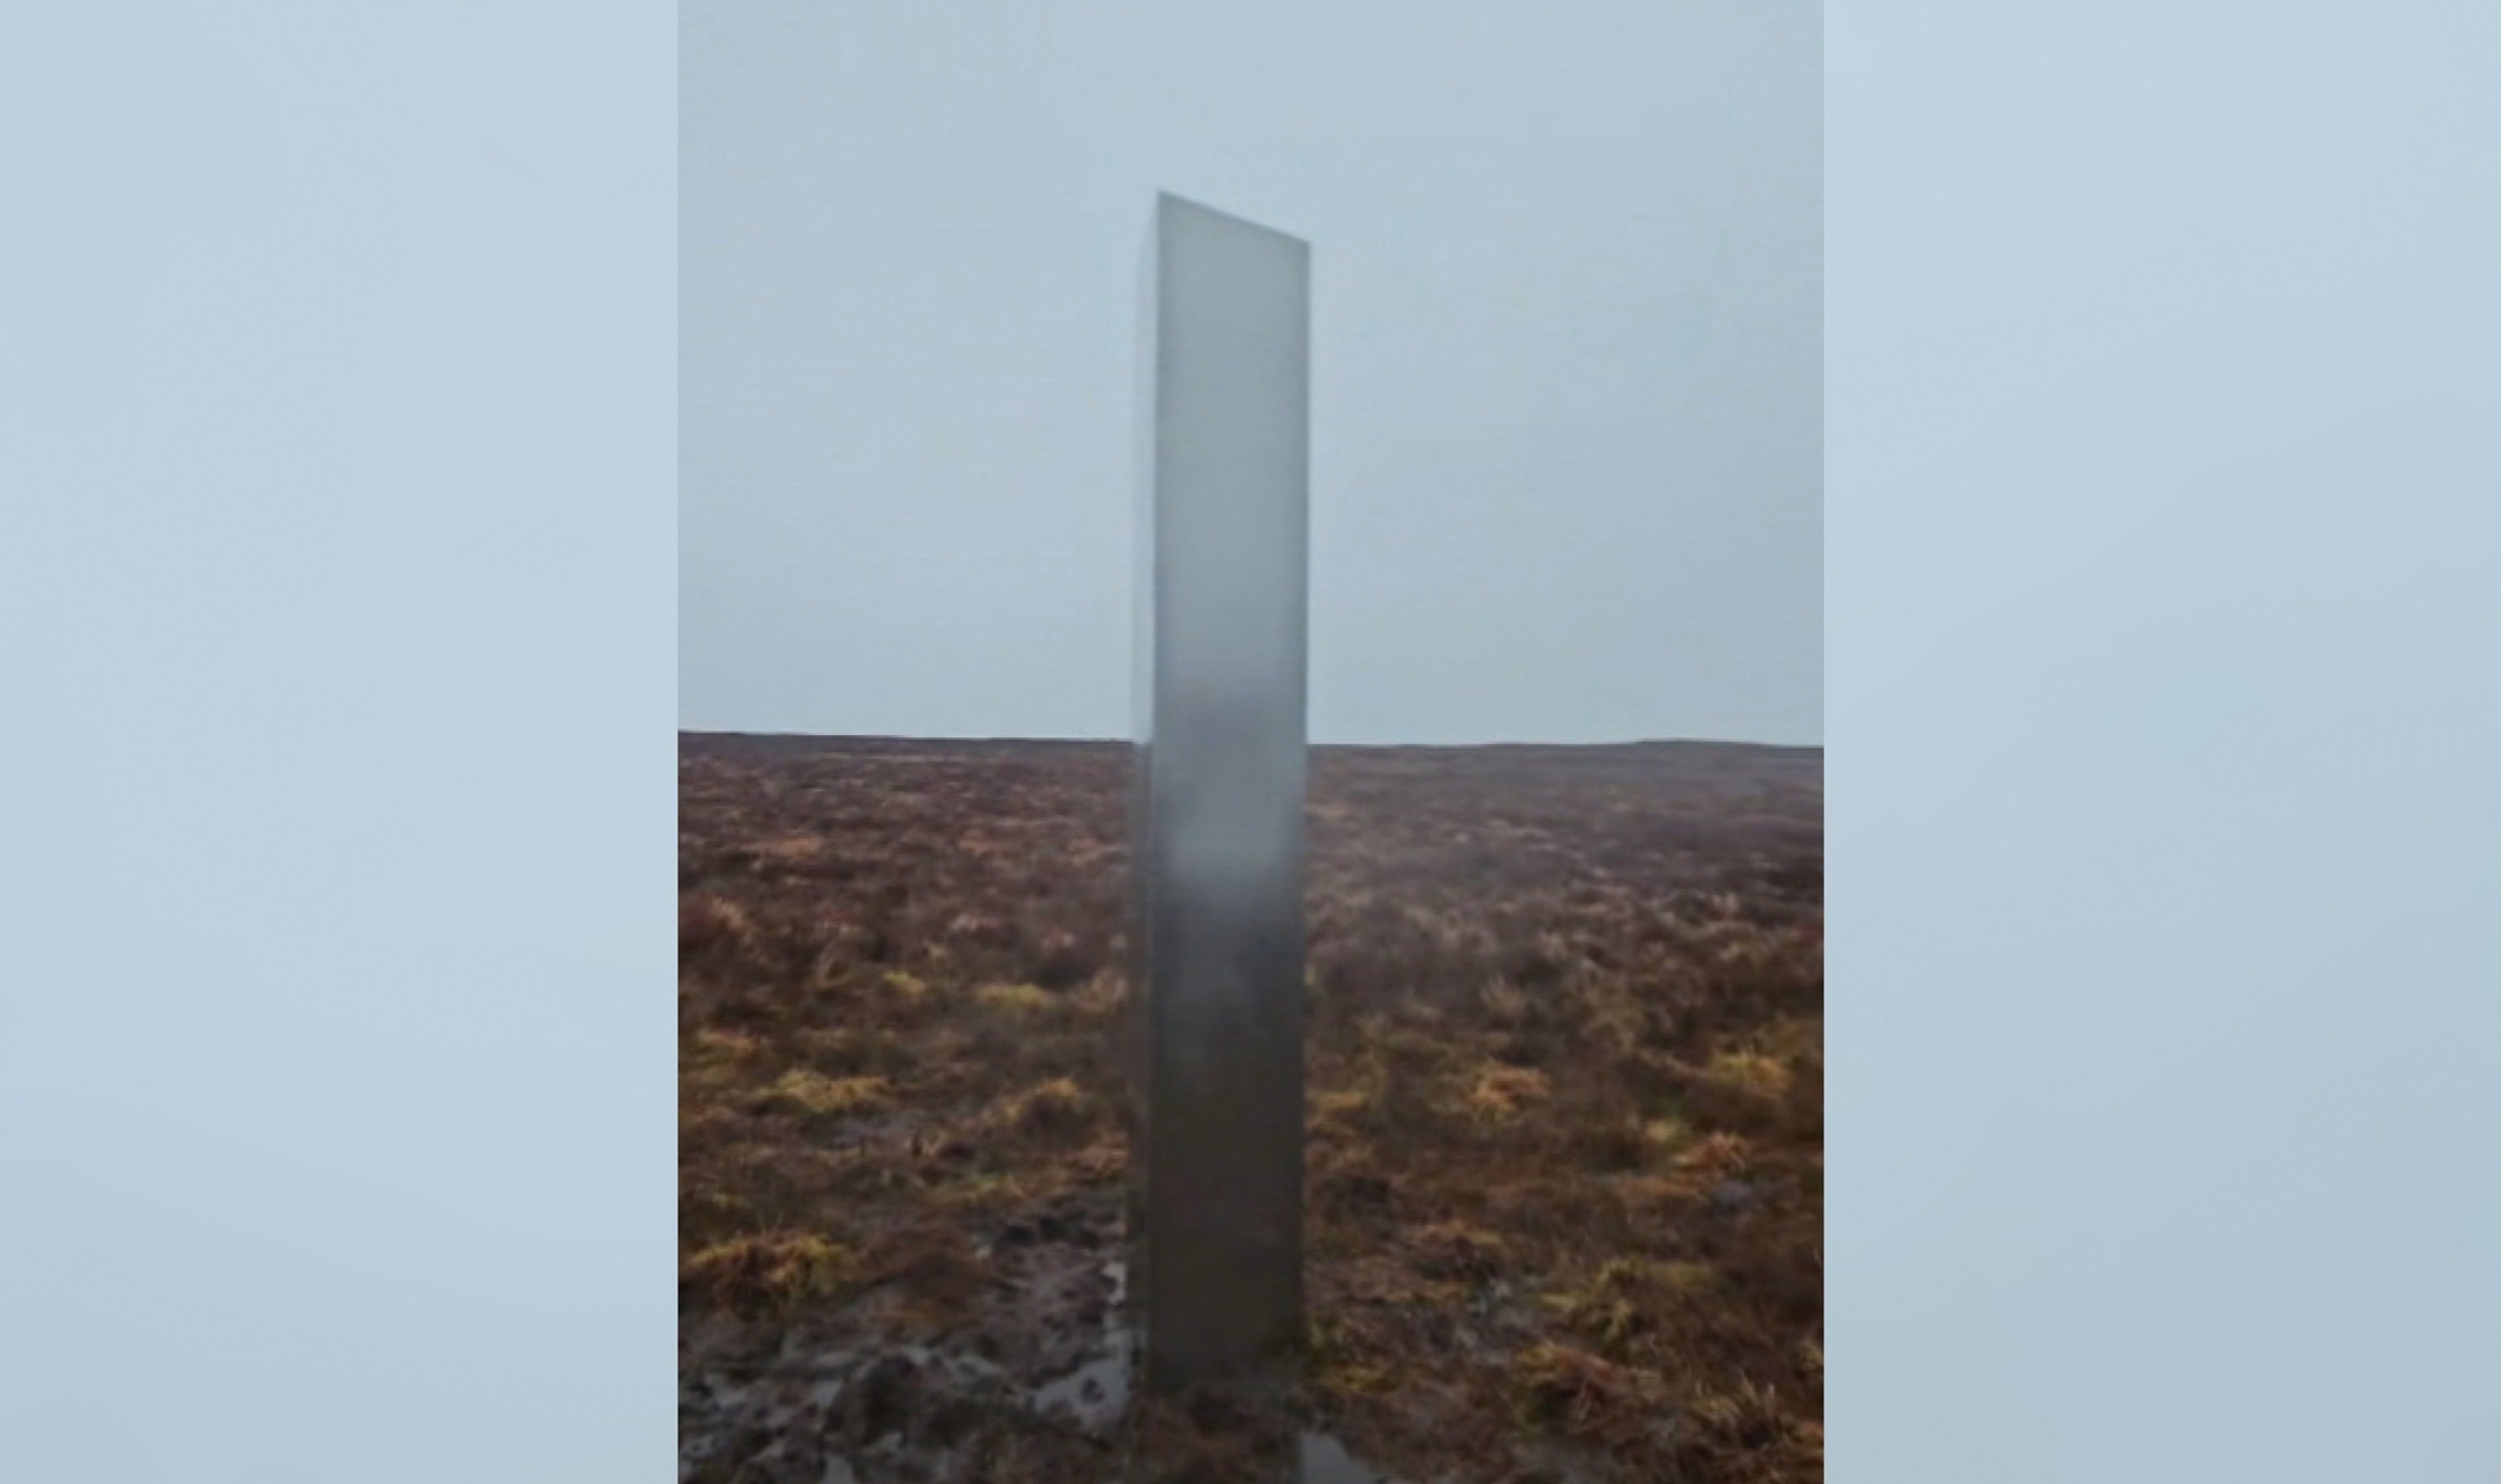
{"points": [[1566, 422]]}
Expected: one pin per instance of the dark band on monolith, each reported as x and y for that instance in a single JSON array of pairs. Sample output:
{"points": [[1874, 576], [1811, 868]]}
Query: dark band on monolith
{"points": [[1216, 1048]]}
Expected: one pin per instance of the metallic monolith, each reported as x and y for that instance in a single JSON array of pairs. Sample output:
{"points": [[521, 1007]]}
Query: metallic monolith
{"points": [[1216, 1048]]}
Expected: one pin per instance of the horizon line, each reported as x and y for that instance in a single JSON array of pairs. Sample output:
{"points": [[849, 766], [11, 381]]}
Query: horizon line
{"points": [[1098, 740]]}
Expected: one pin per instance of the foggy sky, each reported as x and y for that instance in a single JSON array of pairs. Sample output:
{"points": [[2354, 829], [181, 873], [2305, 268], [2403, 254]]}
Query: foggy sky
{"points": [[1566, 442]]}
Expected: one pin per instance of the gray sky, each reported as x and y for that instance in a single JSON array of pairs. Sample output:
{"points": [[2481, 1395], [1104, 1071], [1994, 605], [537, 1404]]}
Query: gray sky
{"points": [[1566, 357]]}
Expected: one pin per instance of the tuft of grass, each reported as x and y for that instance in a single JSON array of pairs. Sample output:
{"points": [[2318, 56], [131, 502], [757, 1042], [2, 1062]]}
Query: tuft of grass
{"points": [[1504, 1002], [1338, 1104], [1628, 1296], [1564, 1388], [1741, 1428], [1353, 1378], [1454, 1249], [766, 1272], [1749, 1071], [709, 1045], [1099, 997], [1341, 1360], [793, 850], [1612, 1016], [1670, 1134], [707, 920], [1102, 1162], [1689, 1277], [1715, 1156], [983, 1190], [1016, 998], [935, 1269], [1054, 1106], [713, 1062], [1501, 1091], [825, 1097]]}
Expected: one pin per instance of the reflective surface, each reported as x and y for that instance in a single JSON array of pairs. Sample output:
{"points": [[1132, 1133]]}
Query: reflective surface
{"points": [[1224, 471]]}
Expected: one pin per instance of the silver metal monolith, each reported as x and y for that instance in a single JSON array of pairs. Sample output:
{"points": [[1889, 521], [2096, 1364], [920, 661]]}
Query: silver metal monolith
{"points": [[1216, 1050]]}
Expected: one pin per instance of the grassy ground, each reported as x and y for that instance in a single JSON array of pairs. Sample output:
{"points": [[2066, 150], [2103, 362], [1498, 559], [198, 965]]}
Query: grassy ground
{"points": [[1566, 1112]]}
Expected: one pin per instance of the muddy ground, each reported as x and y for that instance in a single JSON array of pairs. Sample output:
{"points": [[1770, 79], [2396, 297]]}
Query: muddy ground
{"points": [[1566, 1119]]}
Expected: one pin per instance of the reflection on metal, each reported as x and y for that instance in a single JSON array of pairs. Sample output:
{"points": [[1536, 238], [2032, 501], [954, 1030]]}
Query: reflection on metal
{"points": [[1216, 1131]]}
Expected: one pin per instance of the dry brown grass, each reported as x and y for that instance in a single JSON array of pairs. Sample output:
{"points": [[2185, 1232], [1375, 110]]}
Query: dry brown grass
{"points": [[1565, 1063], [778, 1270]]}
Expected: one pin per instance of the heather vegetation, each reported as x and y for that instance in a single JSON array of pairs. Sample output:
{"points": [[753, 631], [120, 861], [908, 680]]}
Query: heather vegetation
{"points": [[1565, 1113]]}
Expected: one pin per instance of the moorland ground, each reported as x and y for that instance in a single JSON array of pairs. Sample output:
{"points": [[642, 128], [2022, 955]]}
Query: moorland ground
{"points": [[1565, 1065]]}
